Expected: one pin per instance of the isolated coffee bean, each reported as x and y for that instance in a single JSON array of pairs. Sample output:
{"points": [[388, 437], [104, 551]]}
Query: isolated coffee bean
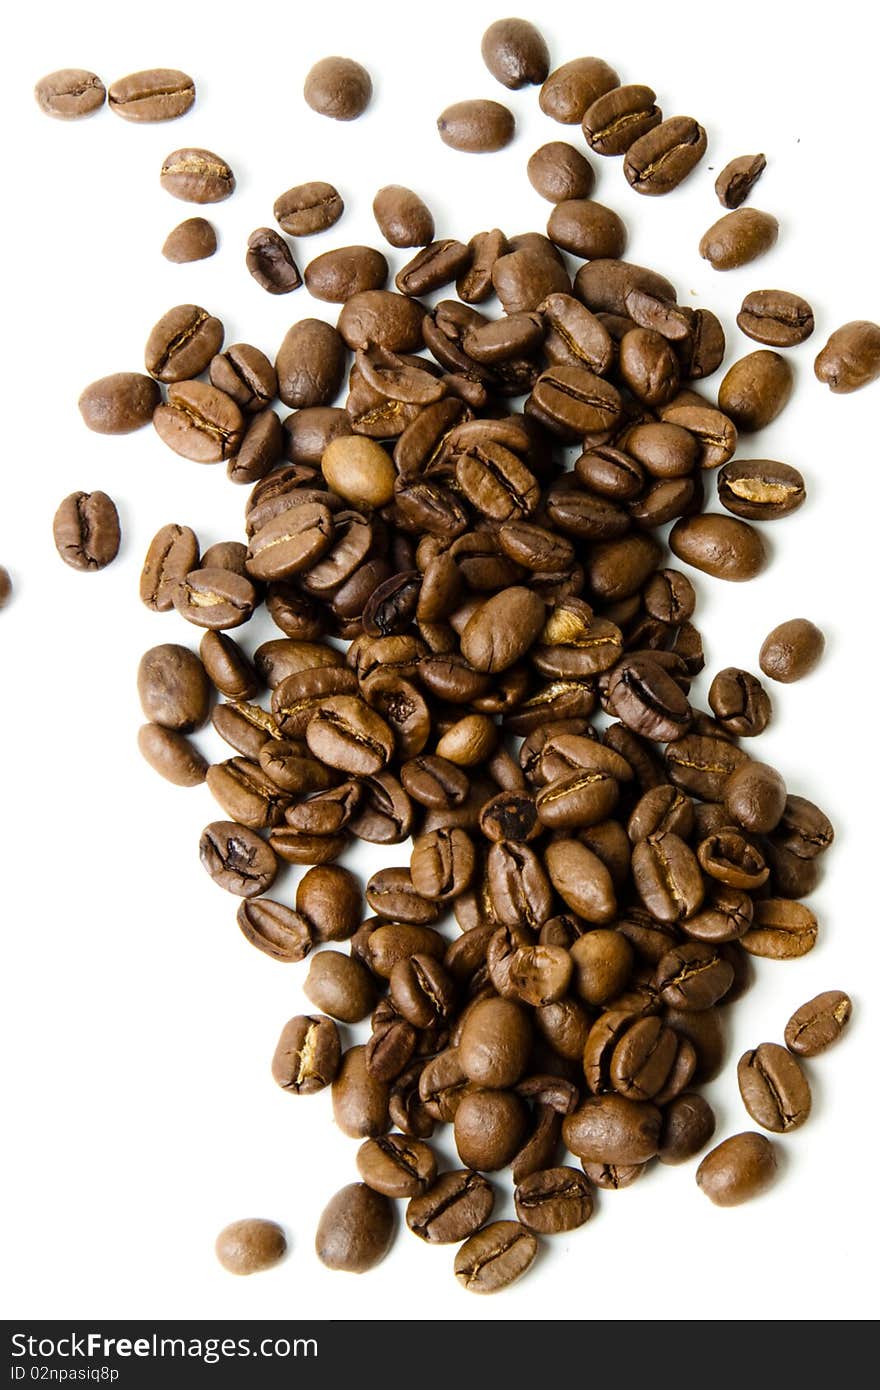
{"points": [[70, 94], [275, 929], [737, 1170], [191, 240], [356, 1227], [308, 208], [495, 1257], [662, 158], [737, 179], [756, 389], [335, 276], [452, 1209], [781, 929], [120, 403], [721, 546], [270, 261], [237, 859], [515, 53], [572, 88], [159, 94], [760, 489], [171, 755], [249, 1246], [339, 88], [773, 1088], [587, 229], [738, 238], [86, 530], [476, 127], [818, 1024], [403, 218], [197, 176], [308, 1054], [557, 171], [739, 702], [792, 650], [851, 357], [776, 318], [173, 687]]}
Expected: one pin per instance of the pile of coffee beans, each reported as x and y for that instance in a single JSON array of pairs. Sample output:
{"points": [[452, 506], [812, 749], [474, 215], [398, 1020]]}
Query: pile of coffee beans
{"points": [[486, 659]]}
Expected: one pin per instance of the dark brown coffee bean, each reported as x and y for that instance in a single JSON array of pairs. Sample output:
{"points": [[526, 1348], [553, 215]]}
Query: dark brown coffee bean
{"points": [[159, 94], [756, 389], [776, 318], [603, 285], [773, 1088], [739, 702], [502, 630], [572, 88], [403, 218], [642, 1059], [792, 650], [308, 208], [518, 887], [249, 1246], [171, 755], [688, 1125], [663, 157], [261, 448], [340, 985], [391, 894], [246, 374], [357, 1225], [818, 1023], [452, 1209], [237, 859], [851, 357], [380, 318], [493, 1258], [738, 238], [397, 1166], [693, 977], [489, 1128], [197, 176], [227, 667], [647, 699], [435, 265], [619, 568], [667, 877], [737, 1170], [714, 432], [191, 240], [70, 94], [613, 1129], [515, 53], [495, 1043], [339, 88], [700, 765], [755, 796], [309, 1051], [246, 793], [553, 1200], [581, 880], [760, 489], [476, 127], [336, 276], [360, 1100], [270, 261], [781, 930], [199, 422], [617, 118], [215, 598], [648, 366], [422, 991], [173, 687], [291, 542], [613, 1176], [721, 546], [557, 171], [587, 229], [86, 530], [120, 403], [276, 930], [442, 863], [182, 343], [575, 402], [737, 179], [310, 364]]}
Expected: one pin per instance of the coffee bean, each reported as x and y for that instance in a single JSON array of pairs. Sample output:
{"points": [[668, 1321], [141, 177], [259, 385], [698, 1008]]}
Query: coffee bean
{"points": [[515, 53], [340, 986], [159, 94], [453, 1208], [817, 1024], [403, 218], [336, 276], [603, 285], [86, 530], [688, 1125], [737, 179], [613, 1176], [359, 470], [648, 366], [357, 1225], [502, 630], [339, 88], [647, 699], [792, 650], [249, 1246], [397, 1166], [215, 598], [173, 687], [738, 238], [661, 158], [739, 702], [346, 734], [519, 891], [755, 797], [270, 261], [191, 240], [613, 1129], [70, 93], [773, 1088], [197, 176], [308, 208], [182, 343], [776, 318], [308, 1053], [737, 1170], [171, 755], [719, 545], [572, 88], [378, 318], [237, 859], [290, 542], [618, 117], [667, 877], [851, 357], [587, 229], [119, 403], [476, 127], [760, 489], [558, 172], [360, 1100], [782, 930], [275, 929], [581, 880], [756, 389], [495, 1042], [573, 401], [442, 863], [199, 422]]}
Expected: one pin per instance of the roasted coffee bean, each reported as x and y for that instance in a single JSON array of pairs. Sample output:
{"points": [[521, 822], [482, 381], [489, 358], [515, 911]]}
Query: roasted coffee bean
{"points": [[246, 374], [553, 1200], [494, 1257], [558, 172], [726, 917], [86, 530], [476, 127], [642, 1059], [660, 810], [308, 208], [667, 877], [647, 699], [489, 1128], [434, 266], [494, 1044], [442, 863], [737, 179], [818, 1023], [310, 364], [776, 318], [581, 880], [422, 991], [693, 976], [391, 894], [515, 53], [792, 650], [700, 765], [191, 240], [246, 793], [755, 797], [739, 702], [339, 88], [612, 1176], [171, 755], [773, 1088], [359, 470], [120, 403], [379, 318], [756, 389], [275, 929], [603, 285], [249, 1246], [618, 569], [199, 422], [394, 941], [737, 1170], [662, 158], [173, 687], [215, 598], [357, 1225], [580, 799], [475, 282], [360, 1100], [452, 1209], [781, 930], [227, 666], [727, 856], [721, 546], [403, 218], [804, 830], [714, 431], [469, 741], [237, 859], [433, 781], [308, 1053], [574, 402], [261, 448], [688, 1125], [290, 542], [587, 229], [851, 357], [518, 888], [502, 630], [760, 489], [511, 815], [613, 1129], [523, 279], [182, 343], [618, 117], [663, 450], [329, 898], [197, 176], [572, 88], [336, 276], [70, 94], [270, 261], [648, 366], [340, 985], [159, 94], [738, 238], [576, 337], [397, 1166]]}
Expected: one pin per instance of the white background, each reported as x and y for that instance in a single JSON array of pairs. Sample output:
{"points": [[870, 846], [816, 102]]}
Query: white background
{"points": [[139, 1025]]}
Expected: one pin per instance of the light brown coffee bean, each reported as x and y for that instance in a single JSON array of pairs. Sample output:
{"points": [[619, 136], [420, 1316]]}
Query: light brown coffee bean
{"points": [[197, 176], [159, 94], [819, 1023], [70, 94]]}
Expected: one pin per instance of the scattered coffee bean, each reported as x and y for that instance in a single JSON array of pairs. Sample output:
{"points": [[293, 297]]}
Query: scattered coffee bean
{"points": [[571, 89], [182, 343], [403, 218], [738, 1169], [719, 545], [308, 208], [159, 94], [559, 172], [760, 489], [737, 179], [773, 1088], [792, 650], [515, 53], [476, 127], [661, 158], [191, 240], [356, 1228], [249, 1246], [270, 262], [776, 318], [739, 238], [495, 1257], [339, 88], [819, 1023], [70, 94], [197, 176], [86, 530], [851, 357], [120, 403], [172, 755], [274, 929]]}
